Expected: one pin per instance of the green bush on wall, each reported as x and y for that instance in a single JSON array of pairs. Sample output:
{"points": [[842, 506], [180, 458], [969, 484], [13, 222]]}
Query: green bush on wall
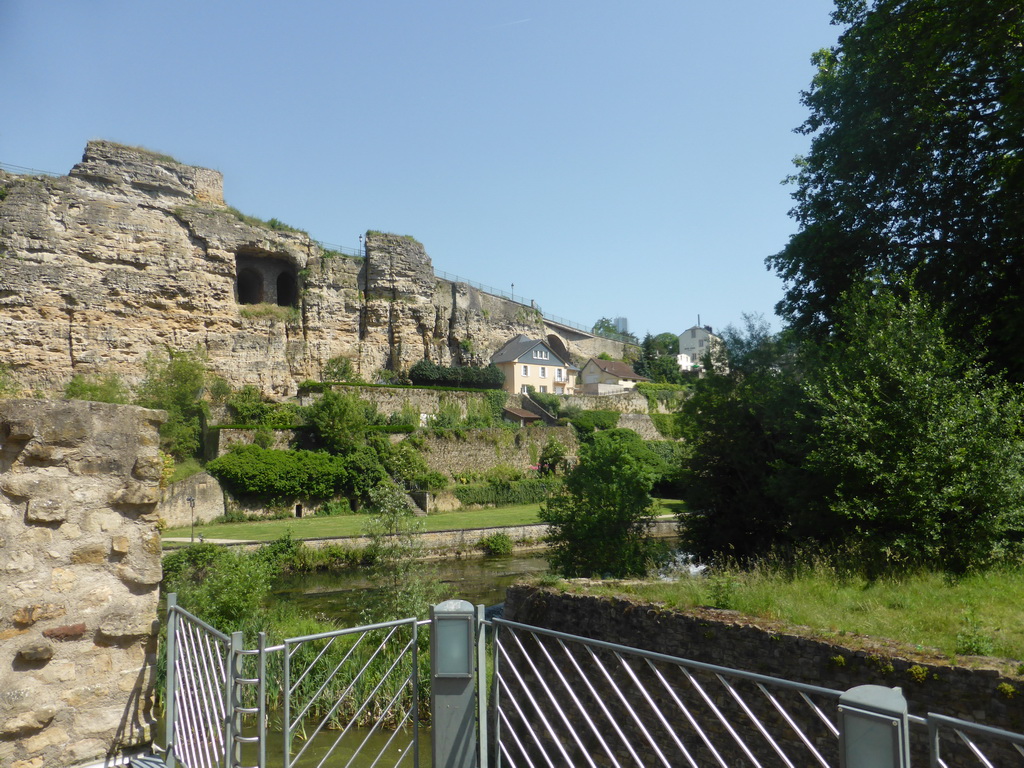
{"points": [[508, 492]]}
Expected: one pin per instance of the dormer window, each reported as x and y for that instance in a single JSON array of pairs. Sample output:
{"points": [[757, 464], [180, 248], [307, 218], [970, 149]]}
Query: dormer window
{"points": [[540, 354]]}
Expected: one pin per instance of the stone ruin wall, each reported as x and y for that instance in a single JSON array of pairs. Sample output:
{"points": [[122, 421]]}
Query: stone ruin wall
{"points": [[79, 579], [134, 253]]}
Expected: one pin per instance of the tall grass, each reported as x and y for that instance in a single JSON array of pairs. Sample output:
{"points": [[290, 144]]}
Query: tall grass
{"points": [[923, 610]]}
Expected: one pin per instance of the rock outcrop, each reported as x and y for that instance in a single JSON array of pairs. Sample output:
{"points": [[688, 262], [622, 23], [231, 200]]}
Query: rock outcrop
{"points": [[133, 253]]}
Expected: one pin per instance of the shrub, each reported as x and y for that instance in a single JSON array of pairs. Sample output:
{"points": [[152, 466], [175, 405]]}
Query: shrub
{"points": [[496, 544], [586, 422], [504, 493], [334, 508], [176, 385], [100, 389], [279, 476], [340, 369], [431, 374]]}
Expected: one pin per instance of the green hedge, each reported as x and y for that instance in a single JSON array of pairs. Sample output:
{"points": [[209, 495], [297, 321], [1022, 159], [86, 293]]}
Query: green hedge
{"points": [[504, 493], [431, 374], [284, 475]]}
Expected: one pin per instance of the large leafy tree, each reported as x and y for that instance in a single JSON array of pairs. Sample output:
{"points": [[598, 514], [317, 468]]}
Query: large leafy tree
{"points": [[916, 167], [921, 450], [599, 524]]}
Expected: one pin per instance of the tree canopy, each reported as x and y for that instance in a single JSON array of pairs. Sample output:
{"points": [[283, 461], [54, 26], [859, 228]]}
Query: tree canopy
{"points": [[916, 171]]}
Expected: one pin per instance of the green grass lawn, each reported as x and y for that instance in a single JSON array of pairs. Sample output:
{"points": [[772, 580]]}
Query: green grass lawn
{"points": [[353, 525]]}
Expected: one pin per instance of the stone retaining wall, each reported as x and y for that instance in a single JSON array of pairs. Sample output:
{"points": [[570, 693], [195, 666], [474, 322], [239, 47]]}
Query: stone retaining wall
{"points": [[478, 450], [987, 692], [175, 510], [79, 577]]}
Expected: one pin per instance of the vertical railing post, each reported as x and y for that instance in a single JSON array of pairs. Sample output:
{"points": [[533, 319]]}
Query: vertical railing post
{"points": [[286, 684], [452, 684], [170, 680], [481, 685], [495, 695], [261, 693], [415, 695], [233, 718]]}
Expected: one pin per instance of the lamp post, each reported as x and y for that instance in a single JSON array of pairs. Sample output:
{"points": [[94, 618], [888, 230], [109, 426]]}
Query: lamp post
{"points": [[192, 503], [513, 291]]}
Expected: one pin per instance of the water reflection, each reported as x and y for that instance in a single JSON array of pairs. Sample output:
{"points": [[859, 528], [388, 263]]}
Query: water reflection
{"points": [[339, 597]]}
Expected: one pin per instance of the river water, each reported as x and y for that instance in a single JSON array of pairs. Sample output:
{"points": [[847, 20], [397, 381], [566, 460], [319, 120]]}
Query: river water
{"points": [[339, 597]]}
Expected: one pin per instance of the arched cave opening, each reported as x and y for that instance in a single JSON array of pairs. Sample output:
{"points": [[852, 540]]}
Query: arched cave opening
{"points": [[287, 290], [250, 286]]}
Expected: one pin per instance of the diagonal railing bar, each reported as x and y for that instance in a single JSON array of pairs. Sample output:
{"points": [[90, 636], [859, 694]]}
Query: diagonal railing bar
{"points": [[964, 730], [327, 681], [508, 695], [595, 731], [535, 704], [196, 698], [397, 678], [690, 718], [622, 699], [342, 698], [552, 698], [366, 701], [599, 700], [503, 718], [784, 713], [656, 710], [709, 702], [640, 706], [200, 673], [755, 721], [377, 726]]}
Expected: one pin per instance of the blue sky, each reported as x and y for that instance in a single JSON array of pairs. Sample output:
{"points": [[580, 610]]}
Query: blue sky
{"points": [[606, 158]]}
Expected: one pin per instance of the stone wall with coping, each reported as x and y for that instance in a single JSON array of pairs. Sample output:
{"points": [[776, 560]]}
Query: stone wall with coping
{"points": [[987, 691], [477, 450], [79, 579], [175, 510]]}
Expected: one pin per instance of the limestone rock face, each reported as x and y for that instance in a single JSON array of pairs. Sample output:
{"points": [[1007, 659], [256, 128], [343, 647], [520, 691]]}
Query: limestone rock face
{"points": [[133, 253]]}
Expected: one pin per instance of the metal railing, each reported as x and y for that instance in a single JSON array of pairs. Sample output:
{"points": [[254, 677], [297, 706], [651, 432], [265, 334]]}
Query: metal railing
{"points": [[23, 171], [961, 740], [565, 700], [198, 689]]}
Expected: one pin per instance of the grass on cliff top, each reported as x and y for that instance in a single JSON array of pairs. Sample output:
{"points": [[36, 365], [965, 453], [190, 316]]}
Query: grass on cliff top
{"points": [[979, 614]]}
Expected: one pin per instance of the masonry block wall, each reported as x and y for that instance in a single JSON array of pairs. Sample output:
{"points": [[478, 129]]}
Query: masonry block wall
{"points": [[79, 579], [982, 690]]}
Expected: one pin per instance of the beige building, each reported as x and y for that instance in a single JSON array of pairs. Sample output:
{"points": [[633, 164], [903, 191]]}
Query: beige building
{"points": [[530, 362], [605, 377]]}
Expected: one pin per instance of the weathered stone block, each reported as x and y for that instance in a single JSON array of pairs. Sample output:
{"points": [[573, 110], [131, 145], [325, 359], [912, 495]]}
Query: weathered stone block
{"points": [[136, 495], [90, 554], [46, 738], [40, 650], [66, 632], [27, 722], [120, 622]]}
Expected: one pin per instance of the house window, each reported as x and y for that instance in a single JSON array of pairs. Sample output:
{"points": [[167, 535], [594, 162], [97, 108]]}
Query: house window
{"points": [[693, 334], [524, 390], [540, 354], [526, 370], [543, 372], [558, 374], [543, 389]]}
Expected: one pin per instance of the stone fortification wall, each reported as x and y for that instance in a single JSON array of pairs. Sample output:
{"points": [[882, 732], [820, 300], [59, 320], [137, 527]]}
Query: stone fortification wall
{"points": [[132, 253], [79, 576], [176, 511], [624, 402], [478, 450], [983, 693], [640, 423]]}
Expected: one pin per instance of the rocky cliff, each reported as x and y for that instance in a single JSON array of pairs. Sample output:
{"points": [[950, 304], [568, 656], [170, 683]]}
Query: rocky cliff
{"points": [[133, 253]]}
